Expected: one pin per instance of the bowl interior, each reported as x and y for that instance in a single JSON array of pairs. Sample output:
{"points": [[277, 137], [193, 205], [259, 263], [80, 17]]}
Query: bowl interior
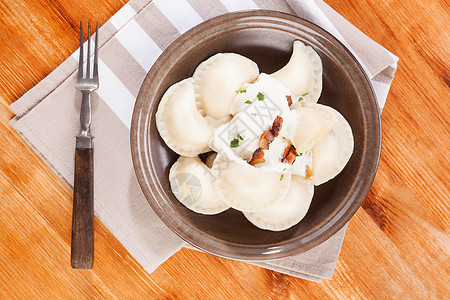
{"points": [[269, 44]]}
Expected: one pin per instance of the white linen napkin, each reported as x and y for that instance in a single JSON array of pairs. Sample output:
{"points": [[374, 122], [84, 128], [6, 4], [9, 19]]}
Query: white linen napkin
{"points": [[130, 42]]}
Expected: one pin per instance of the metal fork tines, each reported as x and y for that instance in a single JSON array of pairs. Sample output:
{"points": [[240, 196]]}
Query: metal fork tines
{"points": [[82, 248], [86, 83]]}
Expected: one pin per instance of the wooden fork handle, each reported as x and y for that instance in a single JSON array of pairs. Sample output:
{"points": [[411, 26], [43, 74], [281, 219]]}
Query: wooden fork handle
{"points": [[82, 250]]}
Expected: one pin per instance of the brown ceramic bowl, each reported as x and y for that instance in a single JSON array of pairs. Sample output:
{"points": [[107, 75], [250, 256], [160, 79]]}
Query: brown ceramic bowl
{"points": [[266, 37]]}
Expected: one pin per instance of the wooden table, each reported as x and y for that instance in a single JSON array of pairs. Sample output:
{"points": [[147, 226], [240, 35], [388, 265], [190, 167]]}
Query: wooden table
{"points": [[397, 244]]}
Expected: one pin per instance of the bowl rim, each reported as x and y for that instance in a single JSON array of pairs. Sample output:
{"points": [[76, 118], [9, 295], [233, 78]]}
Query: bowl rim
{"points": [[152, 189]]}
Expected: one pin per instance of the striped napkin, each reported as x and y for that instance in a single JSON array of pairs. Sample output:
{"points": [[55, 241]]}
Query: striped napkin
{"points": [[130, 42]]}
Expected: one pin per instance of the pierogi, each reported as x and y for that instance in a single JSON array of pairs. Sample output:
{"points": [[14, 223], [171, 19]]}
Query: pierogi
{"points": [[192, 184], [177, 117], [303, 73], [217, 79], [245, 187], [289, 210], [268, 141]]}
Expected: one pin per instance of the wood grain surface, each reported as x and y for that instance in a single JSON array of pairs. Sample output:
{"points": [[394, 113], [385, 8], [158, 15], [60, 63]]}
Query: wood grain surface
{"points": [[397, 245]]}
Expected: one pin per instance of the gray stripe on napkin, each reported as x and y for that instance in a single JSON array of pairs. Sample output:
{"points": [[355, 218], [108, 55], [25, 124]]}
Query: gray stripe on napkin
{"points": [[138, 5], [208, 9], [124, 67], [162, 32], [275, 5]]}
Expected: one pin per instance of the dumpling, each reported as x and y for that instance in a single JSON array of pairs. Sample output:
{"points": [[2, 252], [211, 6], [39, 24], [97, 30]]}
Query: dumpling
{"points": [[303, 73], [247, 188], [191, 183], [287, 212], [332, 152], [218, 78], [315, 120], [179, 123]]}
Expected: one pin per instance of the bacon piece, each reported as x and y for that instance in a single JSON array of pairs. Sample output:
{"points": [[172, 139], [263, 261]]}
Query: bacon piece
{"points": [[289, 154], [286, 150], [289, 100], [257, 157], [265, 139], [269, 135], [276, 126], [308, 172]]}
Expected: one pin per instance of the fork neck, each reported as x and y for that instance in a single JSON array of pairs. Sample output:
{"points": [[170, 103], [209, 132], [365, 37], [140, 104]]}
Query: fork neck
{"points": [[84, 138]]}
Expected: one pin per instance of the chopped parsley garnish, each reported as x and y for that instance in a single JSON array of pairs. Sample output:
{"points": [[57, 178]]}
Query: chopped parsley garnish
{"points": [[301, 98], [260, 96], [284, 170], [248, 102], [299, 154], [281, 177], [234, 143], [240, 91], [253, 114]]}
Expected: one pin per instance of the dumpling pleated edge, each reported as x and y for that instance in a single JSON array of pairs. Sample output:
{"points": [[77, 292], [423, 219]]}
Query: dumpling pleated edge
{"points": [[241, 201], [300, 187], [343, 134], [202, 68], [315, 88], [204, 176], [165, 133]]}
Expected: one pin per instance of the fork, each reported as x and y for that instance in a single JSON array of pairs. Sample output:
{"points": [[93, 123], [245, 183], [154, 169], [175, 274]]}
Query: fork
{"points": [[82, 249]]}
